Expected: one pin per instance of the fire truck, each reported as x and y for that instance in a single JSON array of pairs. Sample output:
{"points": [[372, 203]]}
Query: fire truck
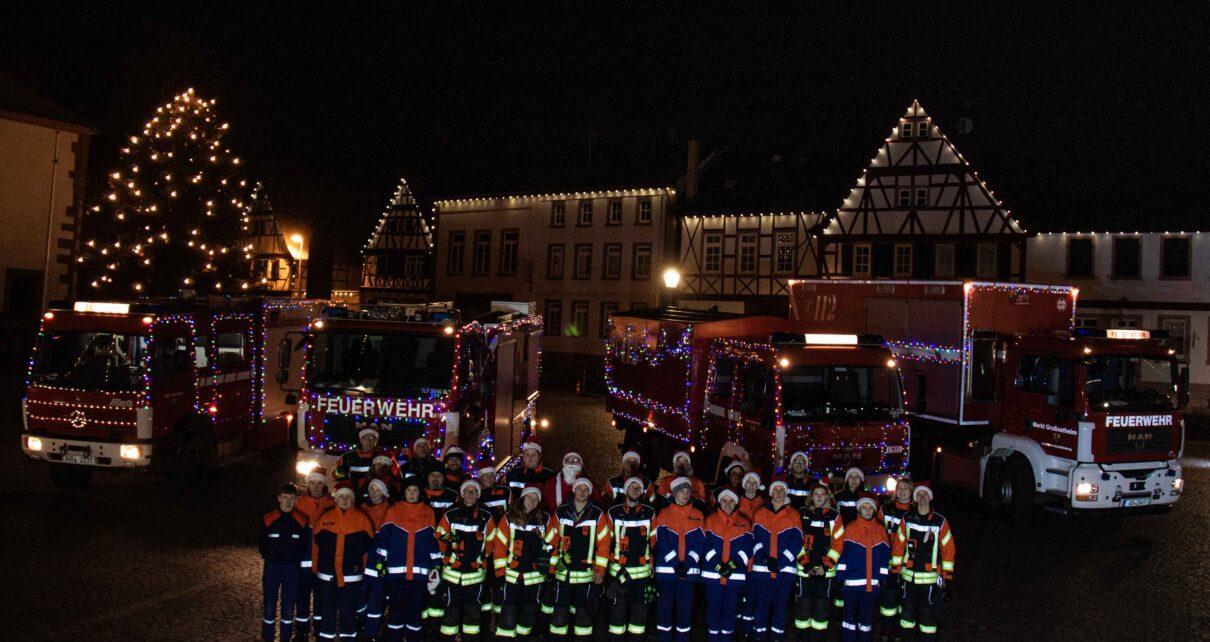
{"points": [[697, 380], [1012, 401], [417, 370], [173, 384]]}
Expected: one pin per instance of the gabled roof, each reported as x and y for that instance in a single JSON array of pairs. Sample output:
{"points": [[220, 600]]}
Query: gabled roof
{"points": [[23, 100], [402, 206]]}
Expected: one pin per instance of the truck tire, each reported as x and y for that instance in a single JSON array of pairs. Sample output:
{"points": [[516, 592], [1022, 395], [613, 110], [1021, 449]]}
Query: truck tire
{"points": [[993, 476], [192, 471], [70, 478], [1017, 490]]}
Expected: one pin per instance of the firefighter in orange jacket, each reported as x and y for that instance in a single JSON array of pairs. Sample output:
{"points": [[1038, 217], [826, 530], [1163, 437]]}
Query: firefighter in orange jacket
{"points": [[464, 534], [923, 555], [405, 552], [584, 541], [778, 534], [315, 502], [677, 542], [861, 556], [342, 537], [728, 551], [682, 466], [524, 553]]}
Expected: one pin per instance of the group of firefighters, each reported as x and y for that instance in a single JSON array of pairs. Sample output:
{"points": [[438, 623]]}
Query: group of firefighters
{"points": [[442, 553]]}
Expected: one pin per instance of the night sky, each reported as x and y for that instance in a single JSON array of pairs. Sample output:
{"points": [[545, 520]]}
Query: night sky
{"points": [[1081, 118]]}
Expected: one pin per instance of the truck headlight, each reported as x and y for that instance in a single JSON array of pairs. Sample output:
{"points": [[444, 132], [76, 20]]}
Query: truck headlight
{"points": [[1086, 491], [35, 443], [129, 451], [891, 484], [1178, 484], [305, 467]]}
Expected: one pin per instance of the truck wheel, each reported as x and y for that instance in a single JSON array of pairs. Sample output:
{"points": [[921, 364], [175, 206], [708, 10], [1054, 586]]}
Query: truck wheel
{"points": [[993, 476], [191, 473], [1017, 490], [70, 478]]}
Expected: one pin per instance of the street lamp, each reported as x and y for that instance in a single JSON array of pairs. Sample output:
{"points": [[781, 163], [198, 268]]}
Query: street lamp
{"points": [[299, 240], [672, 280]]}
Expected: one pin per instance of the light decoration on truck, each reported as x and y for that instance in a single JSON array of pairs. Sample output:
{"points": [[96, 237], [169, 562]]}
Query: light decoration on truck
{"points": [[651, 350], [927, 352]]}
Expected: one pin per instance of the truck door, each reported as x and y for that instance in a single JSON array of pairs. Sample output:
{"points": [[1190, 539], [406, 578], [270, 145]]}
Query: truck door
{"points": [[503, 417], [1040, 403], [172, 392], [754, 405], [721, 423], [231, 377]]}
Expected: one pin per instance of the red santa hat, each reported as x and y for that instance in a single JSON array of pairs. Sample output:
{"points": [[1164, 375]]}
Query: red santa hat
{"points": [[728, 493], [797, 454], [452, 451], [852, 470], [867, 500], [679, 454], [681, 482], [344, 488], [319, 473], [635, 480], [380, 459], [630, 454], [486, 470], [367, 431], [753, 474], [582, 481], [777, 483], [923, 487], [382, 486], [532, 445], [469, 482], [532, 490]]}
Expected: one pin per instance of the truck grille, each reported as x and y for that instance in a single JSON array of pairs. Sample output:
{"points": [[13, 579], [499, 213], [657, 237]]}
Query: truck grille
{"points": [[391, 436], [1125, 441]]}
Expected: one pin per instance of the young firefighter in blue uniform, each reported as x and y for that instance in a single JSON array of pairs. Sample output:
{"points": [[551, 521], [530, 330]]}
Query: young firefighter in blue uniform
{"points": [[862, 557], [283, 547], [778, 534], [821, 524], [725, 565], [405, 551], [677, 540], [631, 521]]}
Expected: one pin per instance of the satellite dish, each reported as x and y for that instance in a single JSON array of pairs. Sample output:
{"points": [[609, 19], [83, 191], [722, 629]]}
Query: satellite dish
{"points": [[964, 125]]}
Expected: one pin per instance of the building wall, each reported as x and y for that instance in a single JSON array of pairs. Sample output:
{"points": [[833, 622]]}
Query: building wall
{"points": [[41, 174], [566, 346], [1179, 304]]}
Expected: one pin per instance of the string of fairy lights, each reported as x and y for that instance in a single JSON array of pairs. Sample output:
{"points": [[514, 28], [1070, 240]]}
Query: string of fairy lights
{"points": [[174, 214]]}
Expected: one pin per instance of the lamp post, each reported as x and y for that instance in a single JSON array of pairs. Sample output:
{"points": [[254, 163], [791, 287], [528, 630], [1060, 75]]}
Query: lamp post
{"points": [[300, 241], [672, 280]]}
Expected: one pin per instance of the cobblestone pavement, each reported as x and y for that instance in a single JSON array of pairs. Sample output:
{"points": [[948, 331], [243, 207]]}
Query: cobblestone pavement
{"points": [[123, 560]]}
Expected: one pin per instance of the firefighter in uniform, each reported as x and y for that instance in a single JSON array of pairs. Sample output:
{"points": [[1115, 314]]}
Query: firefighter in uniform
{"points": [[283, 547], [315, 502], [630, 522], [437, 495], [495, 496], [451, 463], [342, 537], [531, 472], [778, 534], [559, 488], [463, 534], [733, 480], [893, 511], [854, 489], [861, 556], [631, 468], [355, 465], [682, 466], [728, 550], [820, 524], [524, 553], [584, 541], [751, 498], [798, 482], [421, 463], [923, 555], [405, 551], [677, 540], [375, 507]]}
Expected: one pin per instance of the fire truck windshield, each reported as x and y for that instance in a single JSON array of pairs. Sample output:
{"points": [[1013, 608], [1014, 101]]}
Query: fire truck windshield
{"points": [[398, 365], [90, 360], [1128, 382], [840, 392]]}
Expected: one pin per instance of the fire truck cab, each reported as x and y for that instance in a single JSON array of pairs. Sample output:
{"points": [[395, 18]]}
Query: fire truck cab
{"points": [[1013, 403], [417, 370], [172, 384]]}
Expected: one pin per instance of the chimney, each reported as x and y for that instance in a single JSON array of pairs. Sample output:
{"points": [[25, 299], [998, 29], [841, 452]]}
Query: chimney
{"points": [[691, 164]]}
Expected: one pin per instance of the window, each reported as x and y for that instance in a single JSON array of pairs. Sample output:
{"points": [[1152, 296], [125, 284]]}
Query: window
{"points": [[747, 253], [508, 252], [1080, 257], [585, 216], [552, 319], [724, 369], [905, 198], [583, 261], [982, 380], [614, 216], [579, 319], [558, 213], [943, 261], [554, 261], [1087, 322], [1046, 375], [230, 348], [1174, 258], [171, 357], [714, 253], [922, 129], [608, 308], [413, 265], [457, 255], [986, 260], [611, 262], [1178, 329], [861, 260], [1127, 257], [756, 387], [922, 197], [783, 259], [903, 260], [640, 267], [906, 129], [643, 217], [483, 252]]}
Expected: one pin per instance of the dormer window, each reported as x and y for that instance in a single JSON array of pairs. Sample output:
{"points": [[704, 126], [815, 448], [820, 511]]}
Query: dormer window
{"points": [[906, 129], [922, 129]]}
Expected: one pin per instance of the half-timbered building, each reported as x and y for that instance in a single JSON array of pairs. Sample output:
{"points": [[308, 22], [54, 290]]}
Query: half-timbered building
{"points": [[274, 268], [396, 265]]}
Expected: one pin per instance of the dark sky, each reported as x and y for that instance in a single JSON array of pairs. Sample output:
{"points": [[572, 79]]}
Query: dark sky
{"points": [[1081, 117]]}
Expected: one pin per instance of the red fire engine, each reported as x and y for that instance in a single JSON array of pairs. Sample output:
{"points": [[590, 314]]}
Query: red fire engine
{"points": [[417, 370], [1015, 403], [176, 385], [691, 379]]}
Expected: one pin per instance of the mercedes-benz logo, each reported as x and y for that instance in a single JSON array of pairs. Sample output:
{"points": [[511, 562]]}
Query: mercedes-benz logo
{"points": [[77, 419]]}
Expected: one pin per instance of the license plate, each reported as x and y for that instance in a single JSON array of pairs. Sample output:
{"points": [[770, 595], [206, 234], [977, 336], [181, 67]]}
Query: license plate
{"points": [[1135, 501], [79, 459]]}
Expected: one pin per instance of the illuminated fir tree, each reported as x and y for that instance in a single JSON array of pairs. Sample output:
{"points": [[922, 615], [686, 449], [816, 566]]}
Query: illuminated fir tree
{"points": [[174, 214]]}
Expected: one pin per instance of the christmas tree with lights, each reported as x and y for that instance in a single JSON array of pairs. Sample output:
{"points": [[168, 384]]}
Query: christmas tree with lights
{"points": [[174, 215]]}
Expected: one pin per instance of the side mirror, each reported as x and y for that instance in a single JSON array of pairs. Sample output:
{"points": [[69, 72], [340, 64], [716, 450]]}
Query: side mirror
{"points": [[1183, 391]]}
